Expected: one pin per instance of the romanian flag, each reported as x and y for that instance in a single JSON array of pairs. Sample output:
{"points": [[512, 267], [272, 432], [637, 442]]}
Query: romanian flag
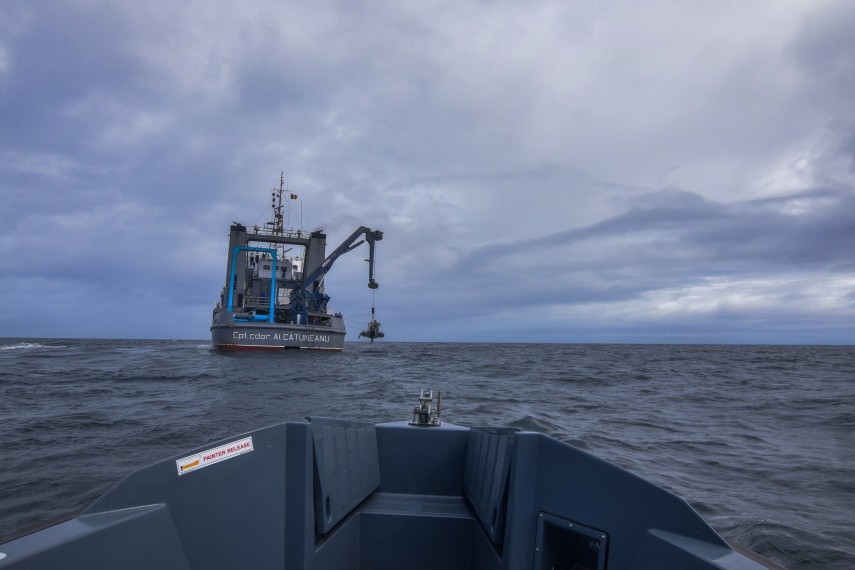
{"points": [[293, 196]]}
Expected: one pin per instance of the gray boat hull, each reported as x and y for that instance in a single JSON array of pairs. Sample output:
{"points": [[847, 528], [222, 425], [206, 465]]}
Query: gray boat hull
{"points": [[331, 494], [274, 294]]}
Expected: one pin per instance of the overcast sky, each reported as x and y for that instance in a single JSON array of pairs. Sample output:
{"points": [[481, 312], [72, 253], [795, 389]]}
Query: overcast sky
{"points": [[543, 171]]}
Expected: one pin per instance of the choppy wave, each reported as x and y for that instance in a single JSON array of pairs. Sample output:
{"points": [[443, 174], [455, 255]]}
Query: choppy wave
{"points": [[22, 346], [27, 345], [758, 439]]}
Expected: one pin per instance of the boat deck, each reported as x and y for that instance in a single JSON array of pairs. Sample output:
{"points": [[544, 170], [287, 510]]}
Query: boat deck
{"points": [[336, 494]]}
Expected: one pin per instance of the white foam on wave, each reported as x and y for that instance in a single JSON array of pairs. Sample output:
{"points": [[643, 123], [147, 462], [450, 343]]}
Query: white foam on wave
{"points": [[28, 346], [21, 346]]}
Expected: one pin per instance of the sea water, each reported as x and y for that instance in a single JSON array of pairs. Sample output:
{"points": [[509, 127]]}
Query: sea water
{"points": [[760, 440]]}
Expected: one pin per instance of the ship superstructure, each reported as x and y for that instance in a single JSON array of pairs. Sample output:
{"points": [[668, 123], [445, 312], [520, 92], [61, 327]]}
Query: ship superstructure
{"points": [[274, 295]]}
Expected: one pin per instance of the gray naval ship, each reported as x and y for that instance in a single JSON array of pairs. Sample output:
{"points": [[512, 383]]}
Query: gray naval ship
{"points": [[421, 494], [274, 296]]}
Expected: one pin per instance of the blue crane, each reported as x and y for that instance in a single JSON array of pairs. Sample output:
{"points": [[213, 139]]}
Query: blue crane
{"points": [[302, 298]]}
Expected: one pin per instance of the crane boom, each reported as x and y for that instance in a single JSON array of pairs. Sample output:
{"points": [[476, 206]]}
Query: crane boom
{"points": [[303, 299], [349, 244]]}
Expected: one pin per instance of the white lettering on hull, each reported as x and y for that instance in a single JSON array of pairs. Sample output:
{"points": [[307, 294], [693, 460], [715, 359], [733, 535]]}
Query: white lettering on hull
{"points": [[299, 337]]}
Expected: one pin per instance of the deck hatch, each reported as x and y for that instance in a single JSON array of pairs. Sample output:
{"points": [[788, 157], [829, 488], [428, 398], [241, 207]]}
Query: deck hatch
{"points": [[562, 543]]}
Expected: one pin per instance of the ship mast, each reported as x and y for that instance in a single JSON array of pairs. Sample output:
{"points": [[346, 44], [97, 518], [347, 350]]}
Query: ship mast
{"points": [[277, 223]]}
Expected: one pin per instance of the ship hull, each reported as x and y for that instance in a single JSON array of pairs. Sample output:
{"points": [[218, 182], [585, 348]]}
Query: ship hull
{"points": [[266, 336], [275, 300]]}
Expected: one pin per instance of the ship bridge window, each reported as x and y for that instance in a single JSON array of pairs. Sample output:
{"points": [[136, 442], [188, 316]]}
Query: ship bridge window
{"points": [[267, 267]]}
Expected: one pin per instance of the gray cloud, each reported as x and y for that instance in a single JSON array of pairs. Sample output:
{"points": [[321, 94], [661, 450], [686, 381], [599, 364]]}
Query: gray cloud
{"points": [[542, 172]]}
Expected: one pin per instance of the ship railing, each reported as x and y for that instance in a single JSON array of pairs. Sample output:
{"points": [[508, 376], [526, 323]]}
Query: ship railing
{"points": [[267, 231], [257, 301], [264, 302]]}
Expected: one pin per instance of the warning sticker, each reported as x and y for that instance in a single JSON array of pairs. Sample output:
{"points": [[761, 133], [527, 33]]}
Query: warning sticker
{"points": [[215, 455]]}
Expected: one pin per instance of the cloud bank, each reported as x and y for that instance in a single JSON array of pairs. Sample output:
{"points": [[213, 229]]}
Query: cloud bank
{"points": [[544, 171]]}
